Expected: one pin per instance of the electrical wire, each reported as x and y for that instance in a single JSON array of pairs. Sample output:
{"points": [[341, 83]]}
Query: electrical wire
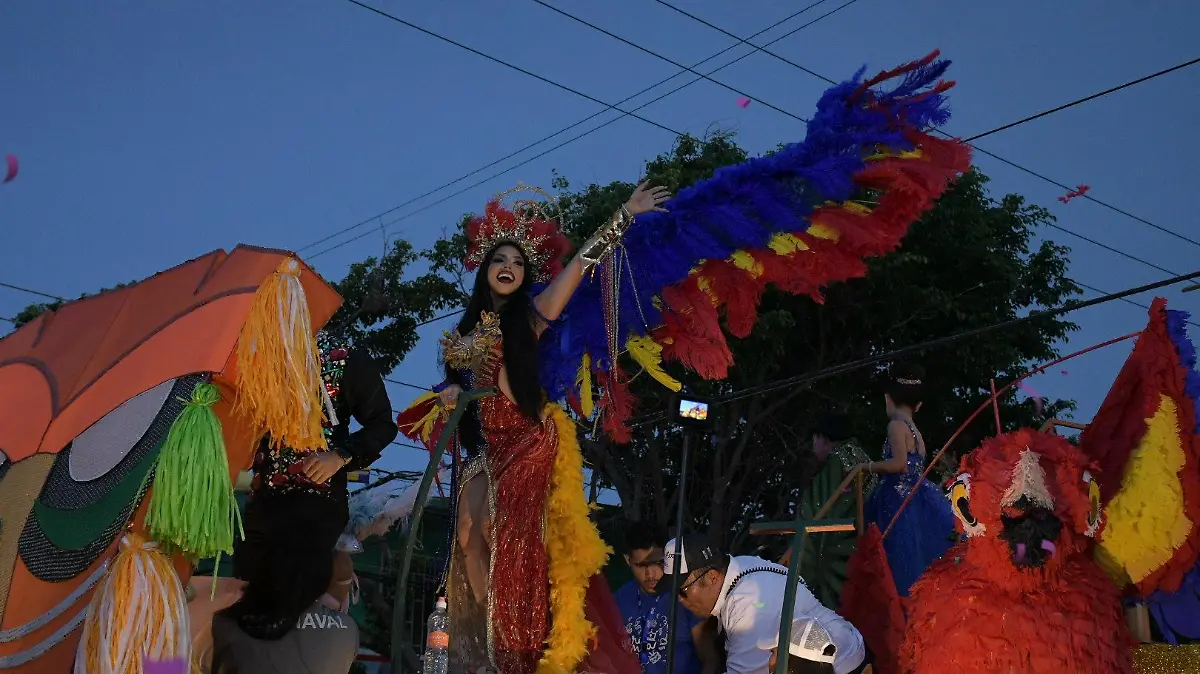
{"points": [[568, 128], [31, 291], [1009, 162], [1010, 125]]}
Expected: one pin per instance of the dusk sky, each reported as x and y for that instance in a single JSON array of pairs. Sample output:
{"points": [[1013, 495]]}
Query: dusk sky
{"points": [[152, 132]]}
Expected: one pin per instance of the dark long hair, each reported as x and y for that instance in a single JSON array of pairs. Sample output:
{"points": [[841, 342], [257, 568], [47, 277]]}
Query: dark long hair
{"points": [[520, 344], [906, 384], [283, 589]]}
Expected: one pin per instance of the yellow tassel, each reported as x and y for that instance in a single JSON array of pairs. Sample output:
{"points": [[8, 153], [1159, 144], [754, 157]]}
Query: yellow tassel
{"points": [[139, 610], [1145, 521], [278, 374], [583, 380], [576, 553], [648, 354]]}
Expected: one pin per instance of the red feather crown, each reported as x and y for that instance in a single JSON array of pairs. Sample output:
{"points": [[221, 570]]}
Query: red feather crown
{"points": [[529, 226]]}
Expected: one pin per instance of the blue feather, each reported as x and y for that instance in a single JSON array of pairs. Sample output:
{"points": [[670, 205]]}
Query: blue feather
{"points": [[740, 207]]}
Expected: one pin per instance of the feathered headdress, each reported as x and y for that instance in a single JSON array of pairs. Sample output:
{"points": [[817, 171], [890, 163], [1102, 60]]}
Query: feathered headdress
{"points": [[529, 226]]}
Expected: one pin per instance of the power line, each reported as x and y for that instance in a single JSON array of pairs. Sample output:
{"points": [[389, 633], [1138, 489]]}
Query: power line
{"points": [[1009, 162], [997, 129], [1085, 99], [572, 126], [32, 292]]}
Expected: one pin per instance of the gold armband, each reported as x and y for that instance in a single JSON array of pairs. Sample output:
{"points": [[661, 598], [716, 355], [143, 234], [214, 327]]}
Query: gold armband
{"points": [[605, 239]]}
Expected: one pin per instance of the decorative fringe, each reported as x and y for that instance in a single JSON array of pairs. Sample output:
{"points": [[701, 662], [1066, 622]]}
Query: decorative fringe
{"points": [[790, 219], [1145, 523], [138, 612], [576, 553], [278, 371], [974, 611], [192, 506], [870, 600], [422, 420]]}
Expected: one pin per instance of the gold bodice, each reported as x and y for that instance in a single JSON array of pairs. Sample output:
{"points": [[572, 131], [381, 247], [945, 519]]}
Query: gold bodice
{"points": [[480, 351]]}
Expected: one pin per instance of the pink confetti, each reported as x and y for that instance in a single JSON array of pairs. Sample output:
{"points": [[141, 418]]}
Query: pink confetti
{"points": [[1079, 191], [743, 102], [1033, 395], [13, 167]]}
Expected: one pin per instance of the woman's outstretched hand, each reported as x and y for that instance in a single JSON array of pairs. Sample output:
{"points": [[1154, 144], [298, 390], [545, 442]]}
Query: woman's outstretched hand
{"points": [[646, 198]]}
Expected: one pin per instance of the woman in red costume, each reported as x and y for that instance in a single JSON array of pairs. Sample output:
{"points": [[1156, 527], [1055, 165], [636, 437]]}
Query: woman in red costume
{"points": [[500, 581], [522, 582]]}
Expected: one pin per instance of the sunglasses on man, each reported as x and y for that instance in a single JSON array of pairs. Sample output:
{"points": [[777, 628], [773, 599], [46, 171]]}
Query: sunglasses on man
{"points": [[683, 589]]}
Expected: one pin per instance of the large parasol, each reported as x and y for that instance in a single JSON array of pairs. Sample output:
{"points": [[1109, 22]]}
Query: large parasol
{"points": [[89, 399]]}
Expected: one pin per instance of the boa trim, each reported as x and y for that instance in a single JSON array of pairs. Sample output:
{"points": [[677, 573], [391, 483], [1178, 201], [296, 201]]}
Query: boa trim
{"points": [[576, 553]]}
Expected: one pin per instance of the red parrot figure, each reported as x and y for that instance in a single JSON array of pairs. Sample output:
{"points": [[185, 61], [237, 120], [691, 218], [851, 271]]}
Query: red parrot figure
{"points": [[1023, 592]]}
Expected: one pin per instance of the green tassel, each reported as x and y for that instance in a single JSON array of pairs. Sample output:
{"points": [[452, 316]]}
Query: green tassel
{"points": [[192, 507]]}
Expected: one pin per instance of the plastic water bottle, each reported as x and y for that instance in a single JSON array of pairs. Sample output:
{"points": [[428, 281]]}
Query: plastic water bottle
{"points": [[437, 643]]}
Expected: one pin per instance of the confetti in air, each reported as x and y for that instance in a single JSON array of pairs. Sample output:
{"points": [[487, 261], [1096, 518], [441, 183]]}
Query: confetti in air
{"points": [[13, 167], [1079, 191], [1033, 395], [743, 102]]}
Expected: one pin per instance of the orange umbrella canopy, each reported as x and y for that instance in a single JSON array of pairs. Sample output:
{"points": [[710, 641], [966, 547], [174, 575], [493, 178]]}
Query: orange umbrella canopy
{"points": [[87, 395]]}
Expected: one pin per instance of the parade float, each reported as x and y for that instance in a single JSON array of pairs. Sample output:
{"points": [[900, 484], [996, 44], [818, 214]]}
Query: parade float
{"points": [[1075, 556], [126, 418]]}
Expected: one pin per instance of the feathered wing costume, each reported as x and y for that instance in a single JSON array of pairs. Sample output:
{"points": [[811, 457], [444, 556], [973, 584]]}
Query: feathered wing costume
{"points": [[1145, 435], [1050, 527], [801, 218]]}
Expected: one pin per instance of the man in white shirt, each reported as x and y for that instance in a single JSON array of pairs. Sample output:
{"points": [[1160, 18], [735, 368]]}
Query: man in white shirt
{"points": [[746, 595]]}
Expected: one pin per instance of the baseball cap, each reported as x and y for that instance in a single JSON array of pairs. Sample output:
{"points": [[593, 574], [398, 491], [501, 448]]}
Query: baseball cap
{"points": [[698, 553], [809, 642]]}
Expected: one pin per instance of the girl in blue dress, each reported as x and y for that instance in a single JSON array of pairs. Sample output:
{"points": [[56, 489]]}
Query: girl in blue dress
{"points": [[925, 528]]}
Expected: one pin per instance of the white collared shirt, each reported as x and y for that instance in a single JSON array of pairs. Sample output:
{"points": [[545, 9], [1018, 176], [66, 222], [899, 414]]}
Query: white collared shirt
{"points": [[750, 616]]}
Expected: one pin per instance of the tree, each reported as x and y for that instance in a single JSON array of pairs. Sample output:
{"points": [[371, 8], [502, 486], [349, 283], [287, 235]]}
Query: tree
{"points": [[969, 263]]}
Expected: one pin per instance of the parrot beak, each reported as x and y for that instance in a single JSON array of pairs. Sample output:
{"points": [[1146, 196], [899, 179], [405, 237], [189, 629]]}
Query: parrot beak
{"points": [[1030, 526]]}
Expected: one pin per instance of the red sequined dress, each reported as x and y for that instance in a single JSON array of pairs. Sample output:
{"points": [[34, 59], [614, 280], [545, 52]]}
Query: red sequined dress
{"points": [[510, 632]]}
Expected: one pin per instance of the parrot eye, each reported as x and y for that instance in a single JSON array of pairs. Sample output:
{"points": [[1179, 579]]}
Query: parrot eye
{"points": [[1093, 488], [960, 503]]}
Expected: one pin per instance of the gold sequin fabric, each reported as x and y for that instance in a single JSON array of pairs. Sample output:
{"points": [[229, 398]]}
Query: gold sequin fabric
{"points": [[1166, 659], [477, 350]]}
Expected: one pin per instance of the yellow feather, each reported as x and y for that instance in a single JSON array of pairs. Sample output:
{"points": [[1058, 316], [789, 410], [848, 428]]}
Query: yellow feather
{"points": [[576, 553], [1145, 521], [745, 260], [785, 243], [824, 232], [648, 354], [584, 381]]}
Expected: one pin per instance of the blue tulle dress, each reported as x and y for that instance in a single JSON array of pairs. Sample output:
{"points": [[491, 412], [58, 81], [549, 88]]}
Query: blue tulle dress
{"points": [[924, 531]]}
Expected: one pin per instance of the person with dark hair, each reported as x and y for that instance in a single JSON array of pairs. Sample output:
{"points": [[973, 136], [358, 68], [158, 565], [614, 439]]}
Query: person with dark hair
{"points": [[513, 602], [285, 621], [646, 604], [290, 487], [746, 595], [836, 449], [924, 530]]}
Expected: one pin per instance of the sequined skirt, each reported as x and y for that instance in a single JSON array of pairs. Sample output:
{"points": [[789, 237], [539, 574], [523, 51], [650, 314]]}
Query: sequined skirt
{"points": [[513, 626]]}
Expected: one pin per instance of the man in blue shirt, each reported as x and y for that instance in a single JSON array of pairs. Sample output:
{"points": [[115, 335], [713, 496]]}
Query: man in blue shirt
{"points": [[645, 610]]}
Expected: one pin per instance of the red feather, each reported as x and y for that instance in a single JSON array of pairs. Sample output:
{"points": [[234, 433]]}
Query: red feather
{"points": [[870, 601], [975, 612]]}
